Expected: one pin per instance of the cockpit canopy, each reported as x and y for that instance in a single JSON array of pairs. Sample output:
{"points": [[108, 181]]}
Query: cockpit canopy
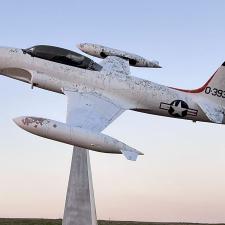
{"points": [[63, 56]]}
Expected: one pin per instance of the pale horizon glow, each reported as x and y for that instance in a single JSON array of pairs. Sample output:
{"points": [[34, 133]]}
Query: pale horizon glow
{"points": [[181, 177]]}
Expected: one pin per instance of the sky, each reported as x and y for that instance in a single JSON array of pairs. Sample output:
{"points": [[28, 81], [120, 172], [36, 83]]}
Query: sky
{"points": [[181, 177]]}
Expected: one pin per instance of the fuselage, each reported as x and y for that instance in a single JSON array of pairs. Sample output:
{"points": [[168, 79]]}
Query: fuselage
{"points": [[129, 92]]}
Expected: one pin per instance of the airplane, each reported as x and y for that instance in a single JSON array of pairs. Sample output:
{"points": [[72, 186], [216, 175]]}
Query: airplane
{"points": [[98, 93]]}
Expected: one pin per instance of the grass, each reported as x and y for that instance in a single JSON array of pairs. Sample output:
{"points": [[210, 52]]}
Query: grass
{"points": [[100, 222], [30, 222]]}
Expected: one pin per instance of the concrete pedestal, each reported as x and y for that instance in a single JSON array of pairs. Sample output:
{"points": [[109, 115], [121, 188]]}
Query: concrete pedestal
{"points": [[80, 202]]}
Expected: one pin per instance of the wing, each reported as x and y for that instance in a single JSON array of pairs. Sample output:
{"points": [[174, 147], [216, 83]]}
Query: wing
{"points": [[114, 64], [91, 111], [94, 113]]}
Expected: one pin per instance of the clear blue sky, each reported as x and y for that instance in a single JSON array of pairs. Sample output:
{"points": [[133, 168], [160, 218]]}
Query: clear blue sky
{"points": [[181, 177]]}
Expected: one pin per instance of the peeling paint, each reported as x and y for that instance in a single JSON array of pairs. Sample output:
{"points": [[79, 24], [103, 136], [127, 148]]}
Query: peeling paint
{"points": [[34, 121]]}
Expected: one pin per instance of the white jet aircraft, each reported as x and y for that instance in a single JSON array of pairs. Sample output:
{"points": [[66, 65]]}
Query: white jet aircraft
{"points": [[99, 93]]}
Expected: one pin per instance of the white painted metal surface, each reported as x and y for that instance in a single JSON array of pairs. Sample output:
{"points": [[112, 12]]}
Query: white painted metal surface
{"points": [[97, 95], [124, 91]]}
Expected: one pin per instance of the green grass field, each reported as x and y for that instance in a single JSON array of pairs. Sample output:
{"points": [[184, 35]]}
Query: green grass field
{"points": [[100, 222]]}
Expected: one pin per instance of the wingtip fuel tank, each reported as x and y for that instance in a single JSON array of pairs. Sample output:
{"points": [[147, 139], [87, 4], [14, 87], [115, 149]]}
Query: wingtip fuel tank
{"points": [[76, 136], [102, 52]]}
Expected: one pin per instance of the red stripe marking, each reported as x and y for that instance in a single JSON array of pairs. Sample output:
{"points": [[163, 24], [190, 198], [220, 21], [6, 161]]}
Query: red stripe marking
{"points": [[198, 90]]}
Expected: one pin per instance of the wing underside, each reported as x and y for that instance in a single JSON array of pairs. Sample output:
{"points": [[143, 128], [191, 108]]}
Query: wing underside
{"points": [[94, 113], [91, 111]]}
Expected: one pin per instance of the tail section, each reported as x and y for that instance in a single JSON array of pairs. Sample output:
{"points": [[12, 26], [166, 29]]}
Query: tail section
{"points": [[216, 81], [214, 89], [211, 96]]}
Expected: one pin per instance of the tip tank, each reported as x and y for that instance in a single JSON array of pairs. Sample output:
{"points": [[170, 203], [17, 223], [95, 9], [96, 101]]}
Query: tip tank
{"points": [[102, 52], [75, 136]]}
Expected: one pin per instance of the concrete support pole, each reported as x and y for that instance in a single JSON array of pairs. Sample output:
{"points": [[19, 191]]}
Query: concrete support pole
{"points": [[80, 202]]}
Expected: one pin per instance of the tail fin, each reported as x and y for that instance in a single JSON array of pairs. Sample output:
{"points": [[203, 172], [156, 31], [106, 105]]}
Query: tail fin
{"points": [[215, 87], [217, 80], [211, 96]]}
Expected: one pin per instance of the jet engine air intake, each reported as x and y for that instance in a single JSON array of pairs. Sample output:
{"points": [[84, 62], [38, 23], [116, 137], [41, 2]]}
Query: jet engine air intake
{"points": [[17, 73]]}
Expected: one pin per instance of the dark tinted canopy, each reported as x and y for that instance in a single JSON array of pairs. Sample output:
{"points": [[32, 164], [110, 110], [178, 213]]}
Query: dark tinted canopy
{"points": [[63, 56]]}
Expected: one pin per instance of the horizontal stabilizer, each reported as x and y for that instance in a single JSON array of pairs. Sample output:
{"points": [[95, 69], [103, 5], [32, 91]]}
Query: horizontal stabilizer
{"points": [[215, 113], [131, 154]]}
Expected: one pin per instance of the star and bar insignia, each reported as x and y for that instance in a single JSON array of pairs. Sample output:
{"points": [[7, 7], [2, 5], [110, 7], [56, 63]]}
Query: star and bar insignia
{"points": [[178, 108]]}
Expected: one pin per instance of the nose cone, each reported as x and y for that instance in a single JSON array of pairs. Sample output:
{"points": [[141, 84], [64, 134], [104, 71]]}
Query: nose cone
{"points": [[81, 46], [90, 49], [34, 125], [20, 121]]}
